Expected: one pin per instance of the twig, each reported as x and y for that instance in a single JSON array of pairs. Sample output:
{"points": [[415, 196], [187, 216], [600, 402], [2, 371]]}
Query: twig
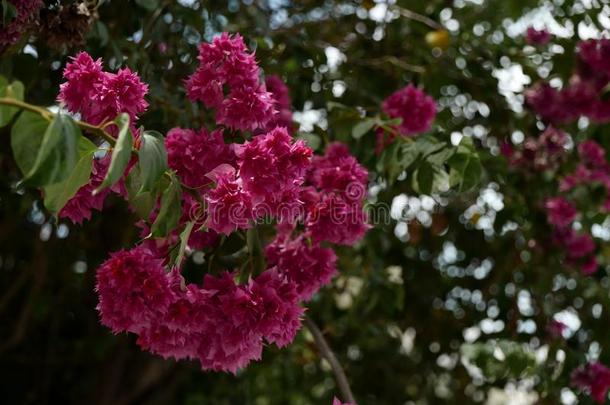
{"points": [[95, 129], [327, 353], [393, 60], [412, 15]]}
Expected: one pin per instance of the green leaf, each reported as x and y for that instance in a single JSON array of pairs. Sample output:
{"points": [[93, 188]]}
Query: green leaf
{"points": [[149, 5], [170, 211], [184, 238], [424, 178], [8, 12], [312, 140], [142, 202], [152, 159], [121, 153], [439, 158], [466, 171], [57, 155], [101, 32], [363, 127], [26, 138], [57, 195], [427, 145], [15, 91], [397, 158]]}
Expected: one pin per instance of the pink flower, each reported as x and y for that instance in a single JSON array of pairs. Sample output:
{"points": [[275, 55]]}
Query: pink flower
{"points": [[26, 14], [193, 154], [537, 37], [82, 74], [579, 97], [179, 331], [599, 111], [416, 109], [590, 266], [229, 205], [279, 305], [333, 219], [206, 86], [272, 164], [308, 266], [282, 104], [232, 340], [548, 103], [592, 154], [100, 96], [246, 108], [117, 93], [556, 328], [596, 53], [593, 378], [338, 171], [226, 62], [579, 245], [232, 62], [133, 290], [560, 212], [553, 140]]}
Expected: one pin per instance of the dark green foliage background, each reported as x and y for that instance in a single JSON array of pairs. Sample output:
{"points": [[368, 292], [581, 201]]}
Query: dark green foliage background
{"points": [[53, 349]]}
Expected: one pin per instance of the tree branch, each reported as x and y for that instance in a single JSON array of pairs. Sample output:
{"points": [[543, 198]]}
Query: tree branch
{"points": [[327, 353], [412, 15]]}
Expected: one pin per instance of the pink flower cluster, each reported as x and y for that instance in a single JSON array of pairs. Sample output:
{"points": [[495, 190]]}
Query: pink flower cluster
{"points": [[545, 152], [98, 97], [26, 13], [537, 37], [313, 200], [282, 104], [416, 109], [226, 63], [583, 95], [594, 378], [222, 324], [413, 107], [593, 169]]}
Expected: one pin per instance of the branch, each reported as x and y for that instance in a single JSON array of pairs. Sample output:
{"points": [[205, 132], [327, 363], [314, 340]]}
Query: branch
{"points": [[46, 114], [327, 353], [412, 15], [95, 129]]}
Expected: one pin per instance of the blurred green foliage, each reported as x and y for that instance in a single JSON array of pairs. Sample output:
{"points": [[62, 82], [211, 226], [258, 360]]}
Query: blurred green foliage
{"points": [[459, 278]]}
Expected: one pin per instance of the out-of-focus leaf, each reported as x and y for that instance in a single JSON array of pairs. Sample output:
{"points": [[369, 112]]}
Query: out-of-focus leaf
{"points": [[57, 195], [121, 153], [152, 159], [58, 152]]}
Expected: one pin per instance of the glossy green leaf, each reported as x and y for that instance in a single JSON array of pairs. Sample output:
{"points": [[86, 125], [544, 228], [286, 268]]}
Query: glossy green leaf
{"points": [[170, 210], [363, 127], [149, 5], [152, 159], [57, 195], [184, 238], [142, 202], [58, 152], [121, 153], [424, 178], [26, 137], [466, 171]]}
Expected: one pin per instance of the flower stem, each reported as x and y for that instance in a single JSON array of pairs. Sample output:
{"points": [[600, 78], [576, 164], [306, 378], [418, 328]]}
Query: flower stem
{"points": [[95, 129], [327, 353]]}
